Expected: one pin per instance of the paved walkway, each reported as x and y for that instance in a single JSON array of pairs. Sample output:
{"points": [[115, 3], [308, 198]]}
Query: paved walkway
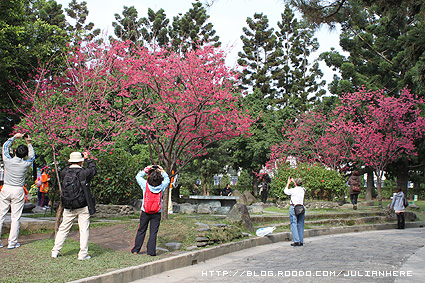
{"points": [[376, 256]]}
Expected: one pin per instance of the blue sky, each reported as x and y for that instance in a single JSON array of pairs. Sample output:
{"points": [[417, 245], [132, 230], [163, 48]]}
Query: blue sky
{"points": [[227, 16]]}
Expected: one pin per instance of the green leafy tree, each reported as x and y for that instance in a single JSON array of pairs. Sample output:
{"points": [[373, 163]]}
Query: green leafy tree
{"points": [[251, 152], [49, 11], [193, 29], [31, 34]]}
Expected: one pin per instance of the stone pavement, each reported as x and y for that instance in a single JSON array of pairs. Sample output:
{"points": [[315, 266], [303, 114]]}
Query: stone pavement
{"points": [[375, 256]]}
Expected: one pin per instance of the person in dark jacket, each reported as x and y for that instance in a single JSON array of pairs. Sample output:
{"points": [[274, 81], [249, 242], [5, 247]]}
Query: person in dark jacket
{"points": [[354, 183], [227, 191], [83, 210], [397, 205]]}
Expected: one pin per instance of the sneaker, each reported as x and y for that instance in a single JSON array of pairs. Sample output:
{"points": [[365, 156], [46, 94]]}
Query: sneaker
{"points": [[55, 254], [1, 246], [84, 258], [17, 245]]}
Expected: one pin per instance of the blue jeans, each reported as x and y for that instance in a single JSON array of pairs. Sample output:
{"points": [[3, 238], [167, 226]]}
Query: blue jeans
{"points": [[297, 225]]}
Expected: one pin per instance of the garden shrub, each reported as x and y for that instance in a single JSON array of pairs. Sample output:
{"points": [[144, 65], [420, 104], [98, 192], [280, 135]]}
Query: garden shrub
{"points": [[319, 182]]}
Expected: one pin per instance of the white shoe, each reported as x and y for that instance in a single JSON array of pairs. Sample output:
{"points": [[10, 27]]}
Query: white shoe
{"points": [[1, 246], [55, 254], [17, 245], [84, 258]]}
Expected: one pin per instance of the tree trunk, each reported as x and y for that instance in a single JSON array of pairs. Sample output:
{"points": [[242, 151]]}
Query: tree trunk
{"points": [[60, 208], [378, 187], [164, 213], [370, 185], [204, 185], [58, 217], [403, 177], [255, 185]]}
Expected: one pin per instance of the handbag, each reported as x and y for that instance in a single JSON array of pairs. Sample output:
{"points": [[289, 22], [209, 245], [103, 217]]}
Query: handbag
{"points": [[299, 209], [405, 202]]}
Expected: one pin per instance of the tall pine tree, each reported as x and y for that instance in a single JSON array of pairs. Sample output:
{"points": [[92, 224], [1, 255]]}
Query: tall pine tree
{"points": [[154, 28], [78, 12], [128, 26], [298, 81], [193, 29], [258, 54]]}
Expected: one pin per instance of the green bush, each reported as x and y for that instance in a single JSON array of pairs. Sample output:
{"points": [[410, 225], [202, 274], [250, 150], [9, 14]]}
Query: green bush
{"points": [[115, 181], [318, 181]]}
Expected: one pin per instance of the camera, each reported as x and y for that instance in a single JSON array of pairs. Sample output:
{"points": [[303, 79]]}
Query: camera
{"points": [[155, 167], [25, 136]]}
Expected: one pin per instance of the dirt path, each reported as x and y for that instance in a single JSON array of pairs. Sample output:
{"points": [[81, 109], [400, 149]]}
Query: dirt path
{"points": [[116, 237]]}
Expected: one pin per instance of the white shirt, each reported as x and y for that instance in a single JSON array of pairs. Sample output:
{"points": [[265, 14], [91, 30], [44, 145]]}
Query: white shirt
{"points": [[297, 194]]}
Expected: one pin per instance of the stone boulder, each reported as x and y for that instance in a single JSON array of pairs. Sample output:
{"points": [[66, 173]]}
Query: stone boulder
{"points": [[409, 216], [28, 207], [173, 246], [255, 209], [242, 198], [223, 210], [250, 199], [187, 209], [239, 215]]}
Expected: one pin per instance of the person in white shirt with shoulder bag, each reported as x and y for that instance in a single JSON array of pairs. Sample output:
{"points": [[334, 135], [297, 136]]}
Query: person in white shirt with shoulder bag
{"points": [[296, 210]]}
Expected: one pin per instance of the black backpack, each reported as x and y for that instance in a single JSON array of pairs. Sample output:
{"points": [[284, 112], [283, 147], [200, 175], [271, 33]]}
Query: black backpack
{"points": [[72, 195]]}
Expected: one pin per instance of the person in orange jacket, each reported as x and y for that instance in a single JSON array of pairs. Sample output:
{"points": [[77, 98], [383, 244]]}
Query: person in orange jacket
{"points": [[44, 188]]}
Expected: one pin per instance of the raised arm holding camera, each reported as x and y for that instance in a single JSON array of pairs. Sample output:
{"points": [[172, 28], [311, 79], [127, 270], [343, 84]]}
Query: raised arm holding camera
{"points": [[12, 194]]}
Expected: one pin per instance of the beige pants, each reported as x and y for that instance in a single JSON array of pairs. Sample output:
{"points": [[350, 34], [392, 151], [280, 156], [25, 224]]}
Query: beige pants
{"points": [[14, 198], [83, 223]]}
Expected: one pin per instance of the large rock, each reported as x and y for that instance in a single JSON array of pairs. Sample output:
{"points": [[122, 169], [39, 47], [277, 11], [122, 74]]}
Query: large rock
{"points": [[204, 209], [224, 210], [255, 208], [187, 209], [242, 198], [239, 215], [250, 199], [410, 216], [28, 207], [173, 246]]}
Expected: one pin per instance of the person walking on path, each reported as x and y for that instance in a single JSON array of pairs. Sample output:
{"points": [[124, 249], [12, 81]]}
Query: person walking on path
{"points": [[297, 221], [157, 181], [81, 205], [354, 183], [397, 205], [12, 194]]}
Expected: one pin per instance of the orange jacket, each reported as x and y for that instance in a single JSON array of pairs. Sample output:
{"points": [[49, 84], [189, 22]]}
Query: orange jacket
{"points": [[44, 188]]}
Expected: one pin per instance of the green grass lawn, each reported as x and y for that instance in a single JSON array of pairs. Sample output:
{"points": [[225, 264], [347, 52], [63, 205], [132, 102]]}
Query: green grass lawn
{"points": [[32, 262]]}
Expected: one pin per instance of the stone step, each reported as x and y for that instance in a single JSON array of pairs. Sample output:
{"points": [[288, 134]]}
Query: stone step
{"points": [[311, 216], [339, 222]]}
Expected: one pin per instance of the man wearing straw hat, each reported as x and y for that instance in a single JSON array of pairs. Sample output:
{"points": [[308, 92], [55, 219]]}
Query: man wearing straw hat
{"points": [[81, 204]]}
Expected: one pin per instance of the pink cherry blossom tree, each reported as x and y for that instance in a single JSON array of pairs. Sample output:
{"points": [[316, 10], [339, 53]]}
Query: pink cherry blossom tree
{"points": [[183, 103], [310, 139], [79, 108], [382, 128]]}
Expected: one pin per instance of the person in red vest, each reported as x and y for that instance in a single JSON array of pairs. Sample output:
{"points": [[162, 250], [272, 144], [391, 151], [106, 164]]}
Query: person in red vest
{"points": [[157, 181]]}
